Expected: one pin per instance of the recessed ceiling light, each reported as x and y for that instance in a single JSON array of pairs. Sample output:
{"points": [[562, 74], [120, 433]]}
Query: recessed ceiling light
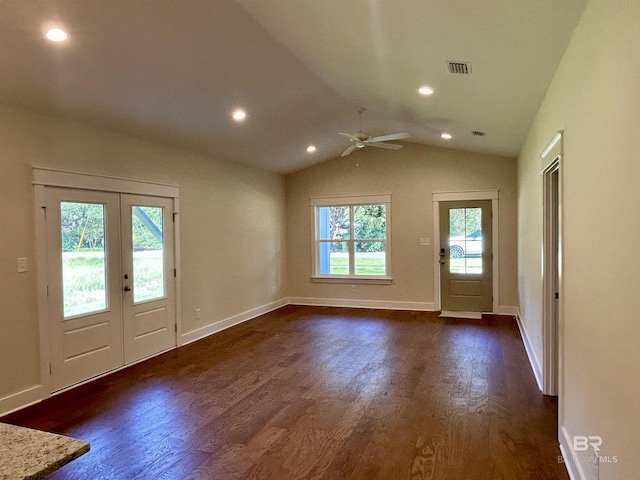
{"points": [[239, 115], [311, 148], [425, 91], [446, 136], [56, 35]]}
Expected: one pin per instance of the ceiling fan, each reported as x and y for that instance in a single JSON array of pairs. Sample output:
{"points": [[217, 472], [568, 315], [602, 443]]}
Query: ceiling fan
{"points": [[361, 139]]}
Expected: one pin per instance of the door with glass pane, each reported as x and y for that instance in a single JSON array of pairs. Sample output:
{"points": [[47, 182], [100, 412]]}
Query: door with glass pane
{"points": [[84, 288], [147, 274], [110, 270], [466, 276]]}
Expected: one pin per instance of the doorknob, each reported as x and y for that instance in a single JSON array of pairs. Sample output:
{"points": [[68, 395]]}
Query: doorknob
{"points": [[127, 288]]}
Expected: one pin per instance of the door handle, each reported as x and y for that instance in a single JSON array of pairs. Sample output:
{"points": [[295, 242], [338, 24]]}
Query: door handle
{"points": [[442, 256], [127, 288]]}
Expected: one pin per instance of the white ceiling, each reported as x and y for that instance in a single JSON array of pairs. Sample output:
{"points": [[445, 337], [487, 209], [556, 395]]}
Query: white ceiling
{"points": [[174, 70]]}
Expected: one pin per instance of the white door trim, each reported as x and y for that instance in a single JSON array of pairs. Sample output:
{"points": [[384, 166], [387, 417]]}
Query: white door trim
{"points": [[438, 197], [551, 161], [47, 177], [104, 183]]}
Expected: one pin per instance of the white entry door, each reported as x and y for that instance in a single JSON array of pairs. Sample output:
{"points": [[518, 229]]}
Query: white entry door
{"points": [[110, 288], [147, 266], [466, 275]]}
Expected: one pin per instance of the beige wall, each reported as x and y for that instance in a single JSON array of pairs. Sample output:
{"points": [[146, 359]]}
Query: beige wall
{"points": [[411, 176], [595, 98], [232, 227]]}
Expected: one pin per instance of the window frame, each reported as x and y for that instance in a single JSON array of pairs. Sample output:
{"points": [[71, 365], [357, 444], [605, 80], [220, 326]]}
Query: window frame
{"points": [[351, 202]]}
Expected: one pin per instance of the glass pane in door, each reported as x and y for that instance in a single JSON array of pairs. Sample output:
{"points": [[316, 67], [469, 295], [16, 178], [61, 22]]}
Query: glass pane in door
{"points": [[465, 240], [148, 253], [83, 258]]}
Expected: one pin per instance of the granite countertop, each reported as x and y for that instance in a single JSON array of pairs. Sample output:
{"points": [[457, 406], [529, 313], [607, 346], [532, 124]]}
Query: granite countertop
{"points": [[32, 454]]}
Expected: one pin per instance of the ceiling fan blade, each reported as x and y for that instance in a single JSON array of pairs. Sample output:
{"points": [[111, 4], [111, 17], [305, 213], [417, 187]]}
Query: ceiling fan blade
{"points": [[349, 149], [384, 138], [351, 137], [388, 146]]}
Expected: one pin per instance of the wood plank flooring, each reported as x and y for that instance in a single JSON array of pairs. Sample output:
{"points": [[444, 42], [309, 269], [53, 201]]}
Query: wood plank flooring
{"points": [[318, 393]]}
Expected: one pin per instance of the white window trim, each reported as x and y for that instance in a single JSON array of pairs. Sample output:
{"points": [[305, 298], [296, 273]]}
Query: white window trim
{"points": [[350, 201]]}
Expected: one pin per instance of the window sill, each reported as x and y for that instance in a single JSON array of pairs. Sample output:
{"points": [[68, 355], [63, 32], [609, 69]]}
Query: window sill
{"points": [[365, 280]]}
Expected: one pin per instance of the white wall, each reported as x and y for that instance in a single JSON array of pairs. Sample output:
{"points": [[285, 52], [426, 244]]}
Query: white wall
{"points": [[411, 176], [595, 98], [232, 227]]}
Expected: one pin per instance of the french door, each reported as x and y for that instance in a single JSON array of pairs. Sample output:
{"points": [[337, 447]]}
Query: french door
{"points": [[466, 270], [110, 281]]}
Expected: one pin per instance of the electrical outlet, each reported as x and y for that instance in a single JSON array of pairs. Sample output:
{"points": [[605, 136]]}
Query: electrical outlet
{"points": [[425, 241], [197, 313]]}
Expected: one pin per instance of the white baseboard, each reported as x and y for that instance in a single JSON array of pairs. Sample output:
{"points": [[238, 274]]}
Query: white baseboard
{"points": [[577, 469], [216, 327], [460, 314], [17, 401], [531, 353], [506, 310], [354, 303]]}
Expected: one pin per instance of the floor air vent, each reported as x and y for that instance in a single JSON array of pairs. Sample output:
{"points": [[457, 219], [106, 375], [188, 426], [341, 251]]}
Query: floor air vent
{"points": [[462, 68]]}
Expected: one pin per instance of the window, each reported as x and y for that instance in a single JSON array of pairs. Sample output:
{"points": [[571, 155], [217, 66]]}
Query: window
{"points": [[351, 238]]}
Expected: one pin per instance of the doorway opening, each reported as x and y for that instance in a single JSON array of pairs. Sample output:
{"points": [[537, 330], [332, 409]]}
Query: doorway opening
{"points": [[466, 257], [107, 262], [466, 277], [552, 255]]}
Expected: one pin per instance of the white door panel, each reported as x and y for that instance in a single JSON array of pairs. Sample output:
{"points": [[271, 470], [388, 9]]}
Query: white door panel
{"points": [[85, 305], [111, 292], [147, 263]]}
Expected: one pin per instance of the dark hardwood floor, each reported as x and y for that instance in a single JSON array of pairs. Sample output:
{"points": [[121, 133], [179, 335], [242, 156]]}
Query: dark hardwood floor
{"points": [[318, 393]]}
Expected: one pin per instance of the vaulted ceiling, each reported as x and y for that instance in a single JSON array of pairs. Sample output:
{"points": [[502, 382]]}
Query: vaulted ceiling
{"points": [[173, 71]]}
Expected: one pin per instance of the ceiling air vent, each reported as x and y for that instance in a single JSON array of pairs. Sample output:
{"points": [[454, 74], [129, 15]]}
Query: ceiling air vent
{"points": [[462, 68]]}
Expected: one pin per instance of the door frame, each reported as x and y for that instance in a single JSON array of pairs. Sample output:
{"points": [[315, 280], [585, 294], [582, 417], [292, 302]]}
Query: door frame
{"points": [[47, 177], [551, 162], [469, 195]]}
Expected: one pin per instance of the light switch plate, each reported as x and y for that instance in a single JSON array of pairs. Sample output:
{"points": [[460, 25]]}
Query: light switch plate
{"points": [[22, 265]]}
